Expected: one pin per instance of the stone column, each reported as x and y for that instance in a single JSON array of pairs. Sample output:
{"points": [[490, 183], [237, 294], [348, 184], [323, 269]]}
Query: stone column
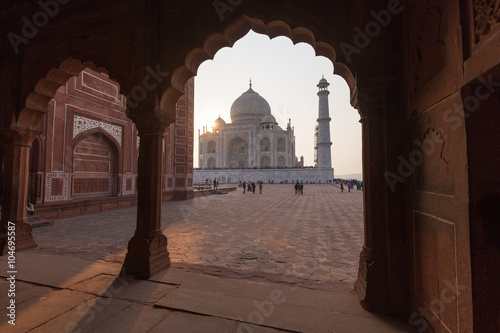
{"points": [[383, 268], [15, 189], [147, 250], [372, 285]]}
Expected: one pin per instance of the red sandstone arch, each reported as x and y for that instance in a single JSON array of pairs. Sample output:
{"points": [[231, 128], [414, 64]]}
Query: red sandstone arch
{"points": [[115, 144], [235, 31], [114, 160], [31, 115], [46, 88]]}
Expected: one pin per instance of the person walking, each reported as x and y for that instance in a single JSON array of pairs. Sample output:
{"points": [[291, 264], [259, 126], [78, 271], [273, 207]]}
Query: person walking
{"points": [[341, 187], [260, 187], [296, 187], [249, 188], [244, 186], [301, 188], [253, 187]]}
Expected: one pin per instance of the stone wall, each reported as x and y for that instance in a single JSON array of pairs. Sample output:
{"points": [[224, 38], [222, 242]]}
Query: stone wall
{"points": [[178, 149], [88, 146]]}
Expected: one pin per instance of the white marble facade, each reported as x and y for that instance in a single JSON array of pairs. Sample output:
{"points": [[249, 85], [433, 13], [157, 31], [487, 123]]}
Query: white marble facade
{"points": [[254, 148], [253, 139]]}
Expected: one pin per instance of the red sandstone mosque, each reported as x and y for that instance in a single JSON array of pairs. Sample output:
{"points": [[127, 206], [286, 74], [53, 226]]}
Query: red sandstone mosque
{"points": [[86, 159]]}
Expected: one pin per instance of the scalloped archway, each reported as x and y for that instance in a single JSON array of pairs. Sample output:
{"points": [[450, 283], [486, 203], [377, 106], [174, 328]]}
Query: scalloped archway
{"points": [[237, 30]]}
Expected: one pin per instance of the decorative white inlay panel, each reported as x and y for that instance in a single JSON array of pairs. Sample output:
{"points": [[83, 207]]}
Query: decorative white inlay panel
{"points": [[124, 184], [60, 182], [82, 124]]}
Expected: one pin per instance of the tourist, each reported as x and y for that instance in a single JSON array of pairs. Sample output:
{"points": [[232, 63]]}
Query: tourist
{"points": [[249, 186], [296, 186], [260, 187], [244, 186], [253, 187], [341, 186], [301, 188]]}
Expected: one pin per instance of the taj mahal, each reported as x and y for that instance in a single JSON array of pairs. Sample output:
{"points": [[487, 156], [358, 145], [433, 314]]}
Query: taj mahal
{"points": [[254, 147]]}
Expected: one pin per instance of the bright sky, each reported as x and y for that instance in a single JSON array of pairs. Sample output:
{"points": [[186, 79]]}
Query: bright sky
{"points": [[286, 75]]}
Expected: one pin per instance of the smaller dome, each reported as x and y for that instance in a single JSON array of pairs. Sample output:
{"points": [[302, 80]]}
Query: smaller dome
{"points": [[323, 83], [269, 119], [219, 121]]}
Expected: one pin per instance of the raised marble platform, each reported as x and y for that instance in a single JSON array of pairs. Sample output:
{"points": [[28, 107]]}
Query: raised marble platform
{"points": [[234, 176]]}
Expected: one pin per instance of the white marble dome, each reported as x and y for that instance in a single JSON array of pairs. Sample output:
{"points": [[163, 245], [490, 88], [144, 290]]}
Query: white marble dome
{"points": [[249, 107]]}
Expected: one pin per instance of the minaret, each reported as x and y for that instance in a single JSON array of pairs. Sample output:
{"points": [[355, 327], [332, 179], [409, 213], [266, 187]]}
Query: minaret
{"points": [[324, 143]]}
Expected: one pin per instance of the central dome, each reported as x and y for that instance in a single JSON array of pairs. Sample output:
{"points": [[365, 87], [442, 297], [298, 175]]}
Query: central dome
{"points": [[249, 107]]}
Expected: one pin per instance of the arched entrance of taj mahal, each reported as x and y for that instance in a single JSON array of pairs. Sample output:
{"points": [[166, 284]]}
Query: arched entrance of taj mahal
{"points": [[406, 70]]}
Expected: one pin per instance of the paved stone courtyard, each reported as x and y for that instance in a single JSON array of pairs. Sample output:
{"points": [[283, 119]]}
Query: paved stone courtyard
{"points": [[314, 238], [271, 263]]}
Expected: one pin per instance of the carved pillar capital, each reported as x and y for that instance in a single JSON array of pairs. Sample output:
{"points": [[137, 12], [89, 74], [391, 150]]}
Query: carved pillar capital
{"points": [[20, 135], [152, 123]]}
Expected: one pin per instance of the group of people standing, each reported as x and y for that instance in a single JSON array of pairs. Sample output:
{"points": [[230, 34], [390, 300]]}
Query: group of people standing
{"points": [[299, 188], [250, 187]]}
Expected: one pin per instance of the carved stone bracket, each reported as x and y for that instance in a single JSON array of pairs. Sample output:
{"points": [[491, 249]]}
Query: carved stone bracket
{"points": [[486, 15]]}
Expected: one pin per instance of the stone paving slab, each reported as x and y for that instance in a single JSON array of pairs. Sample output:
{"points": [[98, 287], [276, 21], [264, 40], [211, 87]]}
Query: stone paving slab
{"points": [[55, 270], [189, 323], [137, 319], [105, 315], [124, 288], [292, 295], [37, 311], [24, 292], [272, 313]]}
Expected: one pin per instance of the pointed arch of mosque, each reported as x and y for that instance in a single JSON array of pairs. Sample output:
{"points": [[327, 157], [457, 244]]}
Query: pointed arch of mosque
{"points": [[37, 101], [100, 136], [235, 31]]}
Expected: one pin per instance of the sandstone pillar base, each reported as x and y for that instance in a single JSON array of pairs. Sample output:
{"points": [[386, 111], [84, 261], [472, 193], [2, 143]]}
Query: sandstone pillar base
{"points": [[146, 257], [372, 286], [23, 238], [370, 282]]}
